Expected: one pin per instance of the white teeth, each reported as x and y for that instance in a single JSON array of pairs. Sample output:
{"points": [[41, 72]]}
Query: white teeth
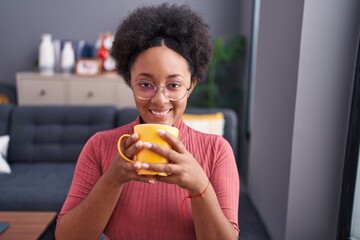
{"points": [[160, 113]]}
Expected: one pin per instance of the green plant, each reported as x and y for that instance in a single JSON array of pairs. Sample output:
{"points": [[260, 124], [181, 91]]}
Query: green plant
{"points": [[225, 51]]}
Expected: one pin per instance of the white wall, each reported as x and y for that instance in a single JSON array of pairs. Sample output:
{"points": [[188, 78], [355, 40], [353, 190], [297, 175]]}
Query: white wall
{"points": [[23, 22], [326, 72], [300, 115], [275, 83]]}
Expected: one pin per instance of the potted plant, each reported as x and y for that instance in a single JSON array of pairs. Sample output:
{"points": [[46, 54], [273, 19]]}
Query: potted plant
{"points": [[225, 51]]}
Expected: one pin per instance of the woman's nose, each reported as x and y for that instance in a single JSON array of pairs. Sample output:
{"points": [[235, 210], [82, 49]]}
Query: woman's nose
{"points": [[159, 96]]}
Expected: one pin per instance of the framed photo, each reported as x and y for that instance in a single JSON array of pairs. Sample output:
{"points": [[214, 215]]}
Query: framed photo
{"points": [[88, 66]]}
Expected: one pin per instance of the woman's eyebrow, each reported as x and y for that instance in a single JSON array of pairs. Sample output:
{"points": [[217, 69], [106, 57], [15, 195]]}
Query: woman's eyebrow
{"points": [[175, 76], [144, 75]]}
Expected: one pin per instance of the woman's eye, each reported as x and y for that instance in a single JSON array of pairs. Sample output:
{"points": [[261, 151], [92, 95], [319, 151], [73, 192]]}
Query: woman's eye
{"points": [[173, 85], [145, 84]]}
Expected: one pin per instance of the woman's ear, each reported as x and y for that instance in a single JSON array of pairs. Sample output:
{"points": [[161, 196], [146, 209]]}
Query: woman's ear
{"points": [[193, 84]]}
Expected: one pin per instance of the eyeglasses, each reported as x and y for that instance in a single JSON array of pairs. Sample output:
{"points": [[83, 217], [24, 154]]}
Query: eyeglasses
{"points": [[146, 90]]}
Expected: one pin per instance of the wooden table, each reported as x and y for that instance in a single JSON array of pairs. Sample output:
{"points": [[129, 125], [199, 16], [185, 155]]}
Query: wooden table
{"points": [[26, 225]]}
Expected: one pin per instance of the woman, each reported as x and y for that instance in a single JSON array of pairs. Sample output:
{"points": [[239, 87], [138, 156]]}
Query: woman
{"points": [[161, 51]]}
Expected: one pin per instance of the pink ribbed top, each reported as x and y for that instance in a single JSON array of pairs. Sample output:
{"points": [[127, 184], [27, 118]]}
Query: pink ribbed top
{"points": [[154, 211]]}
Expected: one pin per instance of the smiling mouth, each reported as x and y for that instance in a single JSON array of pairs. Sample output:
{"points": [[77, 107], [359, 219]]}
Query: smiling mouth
{"points": [[160, 113]]}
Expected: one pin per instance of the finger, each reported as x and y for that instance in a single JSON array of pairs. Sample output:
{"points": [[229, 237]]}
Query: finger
{"points": [[167, 153], [175, 143], [171, 179], [170, 169], [133, 149], [132, 146], [142, 178], [133, 168], [131, 140], [146, 179]]}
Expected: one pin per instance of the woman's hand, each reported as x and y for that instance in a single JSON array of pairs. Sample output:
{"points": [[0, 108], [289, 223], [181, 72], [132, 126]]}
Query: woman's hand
{"points": [[122, 171], [183, 168]]}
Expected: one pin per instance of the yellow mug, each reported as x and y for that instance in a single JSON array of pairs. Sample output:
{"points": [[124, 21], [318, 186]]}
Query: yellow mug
{"points": [[148, 132]]}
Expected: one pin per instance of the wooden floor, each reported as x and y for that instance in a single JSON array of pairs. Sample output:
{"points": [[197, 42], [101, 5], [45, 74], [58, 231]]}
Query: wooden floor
{"points": [[26, 225]]}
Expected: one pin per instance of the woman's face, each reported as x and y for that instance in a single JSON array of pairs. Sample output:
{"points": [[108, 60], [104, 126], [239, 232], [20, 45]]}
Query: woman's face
{"points": [[161, 66]]}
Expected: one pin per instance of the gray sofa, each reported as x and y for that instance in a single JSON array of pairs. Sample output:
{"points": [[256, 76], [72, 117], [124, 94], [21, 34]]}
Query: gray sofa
{"points": [[45, 142]]}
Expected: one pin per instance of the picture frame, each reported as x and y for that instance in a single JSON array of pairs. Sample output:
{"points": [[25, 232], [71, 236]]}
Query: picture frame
{"points": [[88, 67]]}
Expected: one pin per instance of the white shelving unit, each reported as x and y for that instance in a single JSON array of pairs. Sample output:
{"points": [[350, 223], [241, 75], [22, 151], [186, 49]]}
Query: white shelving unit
{"points": [[65, 89]]}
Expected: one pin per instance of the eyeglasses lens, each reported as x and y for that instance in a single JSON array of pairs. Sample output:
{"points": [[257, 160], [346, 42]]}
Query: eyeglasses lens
{"points": [[146, 90]]}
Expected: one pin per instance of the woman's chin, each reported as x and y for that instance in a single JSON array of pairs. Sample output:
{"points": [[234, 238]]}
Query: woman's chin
{"points": [[164, 122]]}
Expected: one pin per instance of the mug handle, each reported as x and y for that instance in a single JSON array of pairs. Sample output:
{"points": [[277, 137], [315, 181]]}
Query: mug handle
{"points": [[119, 148]]}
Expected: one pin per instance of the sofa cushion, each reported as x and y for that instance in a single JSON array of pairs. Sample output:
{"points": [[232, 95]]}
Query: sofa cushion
{"points": [[55, 133], [4, 143], [231, 123], [207, 123], [35, 187]]}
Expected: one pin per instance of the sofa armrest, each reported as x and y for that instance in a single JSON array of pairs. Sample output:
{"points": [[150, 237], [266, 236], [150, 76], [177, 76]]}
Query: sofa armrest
{"points": [[5, 114], [231, 123]]}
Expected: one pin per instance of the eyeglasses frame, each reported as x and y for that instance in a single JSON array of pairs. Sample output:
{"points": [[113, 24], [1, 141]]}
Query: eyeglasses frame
{"points": [[163, 92]]}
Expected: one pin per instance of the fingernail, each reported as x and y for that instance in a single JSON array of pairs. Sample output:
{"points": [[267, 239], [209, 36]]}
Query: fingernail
{"points": [[137, 165], [138, 144], [152, 181], [161, 132], [134, 136], [147, 145], [145, 165]]}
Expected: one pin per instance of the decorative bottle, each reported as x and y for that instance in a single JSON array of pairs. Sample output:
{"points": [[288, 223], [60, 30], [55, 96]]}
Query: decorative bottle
{"points": [[46, 55], [67, 58]]}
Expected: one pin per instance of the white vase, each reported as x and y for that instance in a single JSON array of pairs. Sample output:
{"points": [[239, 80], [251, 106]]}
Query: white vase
{"points": [[46, 55], [67, 58]]}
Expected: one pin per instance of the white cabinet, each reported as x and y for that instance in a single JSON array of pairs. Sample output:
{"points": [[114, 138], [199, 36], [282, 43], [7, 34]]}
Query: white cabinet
{"points": [[92, 92], [60, 89], [37, 92]]}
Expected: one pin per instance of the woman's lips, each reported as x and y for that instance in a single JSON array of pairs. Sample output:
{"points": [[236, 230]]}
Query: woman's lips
{"points": [[160, 113]]}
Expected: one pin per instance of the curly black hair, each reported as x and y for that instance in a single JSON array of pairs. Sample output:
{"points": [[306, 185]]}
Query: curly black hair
{"points": [[176, 26]]}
